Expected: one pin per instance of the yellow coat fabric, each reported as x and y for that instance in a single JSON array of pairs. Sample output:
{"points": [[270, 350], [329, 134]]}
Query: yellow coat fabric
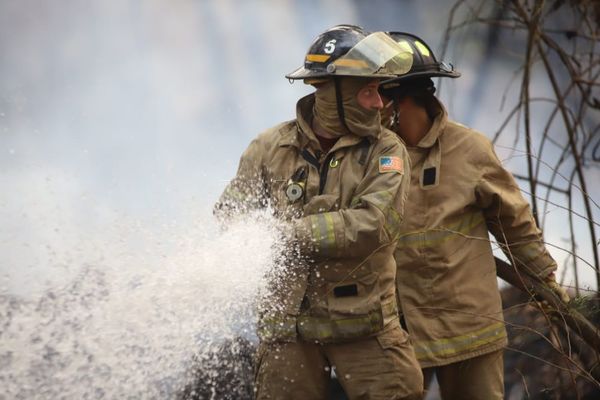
{"points": [[347, 223], [446, 273]]}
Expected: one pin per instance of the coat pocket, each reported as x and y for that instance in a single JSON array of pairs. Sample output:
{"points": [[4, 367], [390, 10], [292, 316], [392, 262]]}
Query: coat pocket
{"points": [[358, 298]]}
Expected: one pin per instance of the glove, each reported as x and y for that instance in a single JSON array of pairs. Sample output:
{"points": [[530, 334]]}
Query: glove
{"points": [[556, 288]]}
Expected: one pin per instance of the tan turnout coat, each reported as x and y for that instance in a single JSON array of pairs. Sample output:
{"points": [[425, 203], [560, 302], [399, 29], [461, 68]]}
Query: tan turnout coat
{"points": [[446, 272], [347, 222]]}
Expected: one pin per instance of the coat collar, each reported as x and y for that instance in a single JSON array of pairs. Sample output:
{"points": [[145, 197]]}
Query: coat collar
{"points": [[440, 120]]}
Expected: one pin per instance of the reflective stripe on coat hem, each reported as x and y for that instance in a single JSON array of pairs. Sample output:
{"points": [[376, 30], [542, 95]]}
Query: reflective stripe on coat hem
{"points": [[325, 330], [448, 348], [492, 347]]}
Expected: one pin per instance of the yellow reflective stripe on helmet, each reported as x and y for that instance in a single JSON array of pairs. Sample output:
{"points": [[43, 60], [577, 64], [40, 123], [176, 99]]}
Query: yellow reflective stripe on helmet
{"points": [[437, 235], [344, 62], [317, 57], [405, 46], [422, 48], [323, 232], [458, 344]]}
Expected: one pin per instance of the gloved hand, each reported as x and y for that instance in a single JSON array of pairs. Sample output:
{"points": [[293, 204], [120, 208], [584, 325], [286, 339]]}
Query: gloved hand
{"points": [[556, 288]]}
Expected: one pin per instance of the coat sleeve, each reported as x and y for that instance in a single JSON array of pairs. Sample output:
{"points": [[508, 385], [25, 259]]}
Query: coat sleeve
{"points": [[247, 190], [509, 218], [373, 218]]}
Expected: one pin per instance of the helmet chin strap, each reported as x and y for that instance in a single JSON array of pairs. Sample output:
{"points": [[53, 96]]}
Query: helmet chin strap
{"points": [[390, 113], [340, 102]]}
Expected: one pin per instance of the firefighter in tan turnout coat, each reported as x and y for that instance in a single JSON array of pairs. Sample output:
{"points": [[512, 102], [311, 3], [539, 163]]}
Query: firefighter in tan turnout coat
{"points": [[341, 182], [446, 272]]}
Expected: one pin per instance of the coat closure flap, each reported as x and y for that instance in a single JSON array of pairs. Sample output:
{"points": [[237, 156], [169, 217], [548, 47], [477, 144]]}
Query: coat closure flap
{"points": [[430, 172], [440, 120]]}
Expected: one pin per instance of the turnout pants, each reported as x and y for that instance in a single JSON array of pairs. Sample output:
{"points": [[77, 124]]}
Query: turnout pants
{"points": [[478, 378], [377, 367]]}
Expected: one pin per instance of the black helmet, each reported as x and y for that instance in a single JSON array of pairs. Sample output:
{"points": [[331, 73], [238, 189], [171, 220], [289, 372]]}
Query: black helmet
{"points": [[348, 50], [424, 64]]}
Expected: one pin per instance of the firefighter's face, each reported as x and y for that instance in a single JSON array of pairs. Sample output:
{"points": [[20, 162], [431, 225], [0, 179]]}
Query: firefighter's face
{"points": [[368, 97]]}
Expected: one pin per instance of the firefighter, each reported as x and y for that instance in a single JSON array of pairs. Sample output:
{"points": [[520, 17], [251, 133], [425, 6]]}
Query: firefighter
{"points": [[340, 181], [446, 272]]}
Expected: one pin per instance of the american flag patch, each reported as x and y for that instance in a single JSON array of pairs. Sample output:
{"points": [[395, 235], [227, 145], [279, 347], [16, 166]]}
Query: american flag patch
{"points": [[391, 164]]}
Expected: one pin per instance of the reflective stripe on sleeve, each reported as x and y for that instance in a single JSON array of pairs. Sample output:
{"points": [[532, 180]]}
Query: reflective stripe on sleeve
{"points": [[273, 328], [323, 232], [393, 222], [384, 202]]}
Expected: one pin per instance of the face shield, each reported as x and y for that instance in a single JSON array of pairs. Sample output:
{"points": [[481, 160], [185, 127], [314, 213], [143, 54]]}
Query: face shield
{"points": [[377, 55]]}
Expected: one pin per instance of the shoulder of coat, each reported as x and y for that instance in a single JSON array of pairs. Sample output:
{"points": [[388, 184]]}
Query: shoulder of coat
{"points": [[278, 134], [389, 138], [455, 130]]}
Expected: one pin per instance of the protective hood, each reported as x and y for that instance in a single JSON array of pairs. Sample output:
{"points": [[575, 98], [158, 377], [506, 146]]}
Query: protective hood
{"points": [[356, 119]]}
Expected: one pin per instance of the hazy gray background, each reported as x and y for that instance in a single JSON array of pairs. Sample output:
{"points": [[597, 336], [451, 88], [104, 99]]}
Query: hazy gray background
{"points": [[119, 117]]}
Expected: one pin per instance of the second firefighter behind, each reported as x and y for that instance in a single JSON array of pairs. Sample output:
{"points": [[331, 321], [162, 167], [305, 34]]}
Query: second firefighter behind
{"points": [[446, 274]]}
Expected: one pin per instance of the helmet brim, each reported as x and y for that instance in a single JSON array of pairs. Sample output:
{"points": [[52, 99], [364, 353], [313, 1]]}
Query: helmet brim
{"points": [[412, 75], [305, 73]]}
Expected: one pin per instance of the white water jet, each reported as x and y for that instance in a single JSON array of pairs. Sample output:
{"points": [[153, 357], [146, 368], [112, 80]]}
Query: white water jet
{"points": [[128, 325]]}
